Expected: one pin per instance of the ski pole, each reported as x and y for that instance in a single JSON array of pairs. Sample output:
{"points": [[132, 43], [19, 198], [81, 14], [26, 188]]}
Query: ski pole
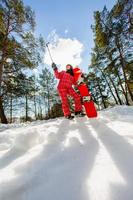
{"points": [[49, 52]]}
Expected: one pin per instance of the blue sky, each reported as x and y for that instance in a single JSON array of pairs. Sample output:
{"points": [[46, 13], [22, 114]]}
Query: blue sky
{"points": [[69, 21]]}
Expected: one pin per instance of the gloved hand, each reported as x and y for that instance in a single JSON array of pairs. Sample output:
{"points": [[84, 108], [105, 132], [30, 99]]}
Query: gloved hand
{"points": [[54, 66], [80, 80], [82, 75]]}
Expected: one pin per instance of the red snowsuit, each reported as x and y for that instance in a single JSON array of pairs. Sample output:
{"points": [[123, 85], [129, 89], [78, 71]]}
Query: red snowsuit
{"points": [[65, 88]]}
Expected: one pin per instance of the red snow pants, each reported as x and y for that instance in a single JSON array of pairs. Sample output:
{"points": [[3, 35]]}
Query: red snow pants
{"points": [[64, 93]]}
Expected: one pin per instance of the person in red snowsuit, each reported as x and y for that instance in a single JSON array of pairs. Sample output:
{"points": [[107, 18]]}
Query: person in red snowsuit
{"points": [[65, 89]]}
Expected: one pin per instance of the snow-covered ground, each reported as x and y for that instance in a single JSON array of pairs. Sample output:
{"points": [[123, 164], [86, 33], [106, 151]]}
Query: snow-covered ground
{"points": [[83, 159]]}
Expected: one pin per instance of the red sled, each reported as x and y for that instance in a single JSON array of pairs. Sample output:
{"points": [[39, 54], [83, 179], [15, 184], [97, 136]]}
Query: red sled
{"points": [[85, 94]]}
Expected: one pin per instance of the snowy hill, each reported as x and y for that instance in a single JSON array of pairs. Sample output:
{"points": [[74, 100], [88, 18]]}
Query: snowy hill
{"points": [[84, 159]]}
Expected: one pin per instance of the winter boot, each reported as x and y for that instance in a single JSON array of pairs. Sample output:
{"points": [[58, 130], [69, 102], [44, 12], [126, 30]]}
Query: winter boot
{"points": [[69, 117], [79, 114]]}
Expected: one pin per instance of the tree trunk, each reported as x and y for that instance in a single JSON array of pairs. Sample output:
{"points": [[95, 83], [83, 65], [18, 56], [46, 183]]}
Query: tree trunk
{"points": [[116, 91], [2, 61], [1, 72], [4, 54], [120, 82], [103, 102], [40, 115], [124, 91], [48, 98], [2, 114], [26, 108], [125, 77], [35, 105], [108, 85], [123, 69], [11, 109]]}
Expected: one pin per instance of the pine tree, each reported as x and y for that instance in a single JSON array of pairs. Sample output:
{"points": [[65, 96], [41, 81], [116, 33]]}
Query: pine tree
{"points": [[47, 82], [17, 45], [112, 55]]}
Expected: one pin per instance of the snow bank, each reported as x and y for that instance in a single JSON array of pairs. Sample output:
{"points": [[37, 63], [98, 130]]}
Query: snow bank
{"points": [[83, 159], [119, 112]]}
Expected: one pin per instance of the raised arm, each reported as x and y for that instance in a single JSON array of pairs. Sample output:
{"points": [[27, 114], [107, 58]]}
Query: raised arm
{"points": [[58, 74]]}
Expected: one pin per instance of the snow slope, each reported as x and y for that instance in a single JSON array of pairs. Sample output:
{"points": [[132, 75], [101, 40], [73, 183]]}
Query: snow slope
{"points": [[84, 159]]}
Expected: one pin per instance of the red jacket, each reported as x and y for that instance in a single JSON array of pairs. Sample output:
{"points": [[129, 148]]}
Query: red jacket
{"points": [[66, 80]]}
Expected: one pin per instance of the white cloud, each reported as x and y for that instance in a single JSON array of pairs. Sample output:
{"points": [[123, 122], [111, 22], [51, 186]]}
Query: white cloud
{"points": [[63, 50], [66, 31]]}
